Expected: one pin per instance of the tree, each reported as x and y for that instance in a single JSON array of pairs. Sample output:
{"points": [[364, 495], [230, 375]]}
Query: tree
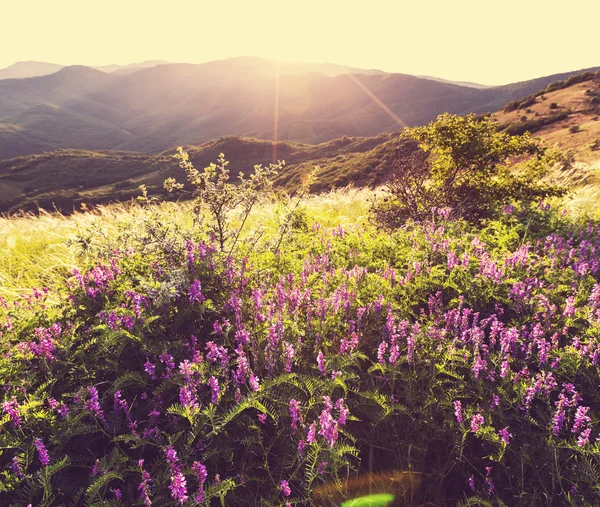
{"points": [[467, 165]]}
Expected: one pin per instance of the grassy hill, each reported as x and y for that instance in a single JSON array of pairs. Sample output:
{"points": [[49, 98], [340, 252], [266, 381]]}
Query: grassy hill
{"points": [[65, 178], [153, 109]]}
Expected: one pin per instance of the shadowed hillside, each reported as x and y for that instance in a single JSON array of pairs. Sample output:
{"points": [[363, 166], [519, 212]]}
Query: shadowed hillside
{"points": [[64, 179]]}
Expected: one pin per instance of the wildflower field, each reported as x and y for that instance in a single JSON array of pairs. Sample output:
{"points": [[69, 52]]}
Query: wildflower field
{"points": [[458, 362]]}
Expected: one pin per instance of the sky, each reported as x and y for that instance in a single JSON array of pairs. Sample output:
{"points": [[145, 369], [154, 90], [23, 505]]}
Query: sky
{"points": [[484, 41]]}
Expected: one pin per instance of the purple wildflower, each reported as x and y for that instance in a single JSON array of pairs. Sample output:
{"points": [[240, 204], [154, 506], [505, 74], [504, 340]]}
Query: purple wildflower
{"points": [[476, 422], [301, 448], [505, 435], [12, 409], [458, 411], [201, 473], [311, 436], [295, 414], [195, 292], [150, 368], [42, 451], [144, 487], [584, 437], [92, 404], [328, 427], [178, 486], [16, 468], [284, 487], [321, 363], [581, 419], [254, 382], [339, 404], [215, 389]]}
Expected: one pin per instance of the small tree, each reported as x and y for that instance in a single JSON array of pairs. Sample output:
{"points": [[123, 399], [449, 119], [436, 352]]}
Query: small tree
{"points": [[224, 207], [466, 164]]}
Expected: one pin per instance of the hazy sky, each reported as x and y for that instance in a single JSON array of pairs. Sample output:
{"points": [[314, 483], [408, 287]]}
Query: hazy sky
{"points": [[487, 41]]}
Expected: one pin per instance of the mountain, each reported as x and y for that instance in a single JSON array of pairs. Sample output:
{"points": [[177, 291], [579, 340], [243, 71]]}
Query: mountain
{"points": [[129, 68], [29, 69], [155, 108], [469, 84], [22, 70], [64, 178]]}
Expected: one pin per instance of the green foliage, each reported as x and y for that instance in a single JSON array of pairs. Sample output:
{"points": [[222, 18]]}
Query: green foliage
{"points": [[218, 199], [534, 124], [464, 165]]}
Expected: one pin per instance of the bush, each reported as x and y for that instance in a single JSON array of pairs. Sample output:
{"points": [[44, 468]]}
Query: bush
{"points": [[553, 105], [574, 129], [464, 166]]}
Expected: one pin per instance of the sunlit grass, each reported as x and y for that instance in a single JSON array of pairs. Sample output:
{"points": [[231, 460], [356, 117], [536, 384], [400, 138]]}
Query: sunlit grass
{"points": [[41, 250]]}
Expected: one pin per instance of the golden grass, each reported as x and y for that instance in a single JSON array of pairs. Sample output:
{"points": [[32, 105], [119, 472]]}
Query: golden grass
{"points": [[41, 250]]}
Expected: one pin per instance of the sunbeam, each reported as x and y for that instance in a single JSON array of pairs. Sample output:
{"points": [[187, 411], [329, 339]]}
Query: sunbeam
{"points": [[377, 101], [276, 111]]}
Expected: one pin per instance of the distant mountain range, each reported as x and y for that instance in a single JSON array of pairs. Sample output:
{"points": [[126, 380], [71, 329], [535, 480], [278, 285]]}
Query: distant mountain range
{"points": [[22, 70], [155, 108]]}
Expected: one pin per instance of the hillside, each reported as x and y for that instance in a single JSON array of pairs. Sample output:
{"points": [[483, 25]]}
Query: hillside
{"points": [[153, 109], [65, 178], [568, 118]]}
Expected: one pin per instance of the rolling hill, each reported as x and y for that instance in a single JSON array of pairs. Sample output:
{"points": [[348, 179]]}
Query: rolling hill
{"points": [[155, 108], [63, 179]]}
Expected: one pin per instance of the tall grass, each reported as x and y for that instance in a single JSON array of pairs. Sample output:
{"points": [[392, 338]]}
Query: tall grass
{"points": [[41, 250]]}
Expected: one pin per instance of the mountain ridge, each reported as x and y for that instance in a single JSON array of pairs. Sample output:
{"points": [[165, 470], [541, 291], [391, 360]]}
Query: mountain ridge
{"points": [[155, 108]]}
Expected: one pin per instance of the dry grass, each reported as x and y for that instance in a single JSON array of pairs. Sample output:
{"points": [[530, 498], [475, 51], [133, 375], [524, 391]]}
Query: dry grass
{"points": [[558, 134]]}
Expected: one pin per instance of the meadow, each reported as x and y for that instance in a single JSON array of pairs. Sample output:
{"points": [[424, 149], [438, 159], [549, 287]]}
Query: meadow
{"points": [[300, 355]]}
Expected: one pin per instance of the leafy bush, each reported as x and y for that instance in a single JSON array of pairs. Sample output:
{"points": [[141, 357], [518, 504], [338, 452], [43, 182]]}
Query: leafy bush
{"points": [[574, 129], [463, 165]]}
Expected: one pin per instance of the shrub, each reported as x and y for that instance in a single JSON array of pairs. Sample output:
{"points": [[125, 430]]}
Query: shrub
{"points": [[463, 165], [574, 129], [553, 105], [225, 203]]}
